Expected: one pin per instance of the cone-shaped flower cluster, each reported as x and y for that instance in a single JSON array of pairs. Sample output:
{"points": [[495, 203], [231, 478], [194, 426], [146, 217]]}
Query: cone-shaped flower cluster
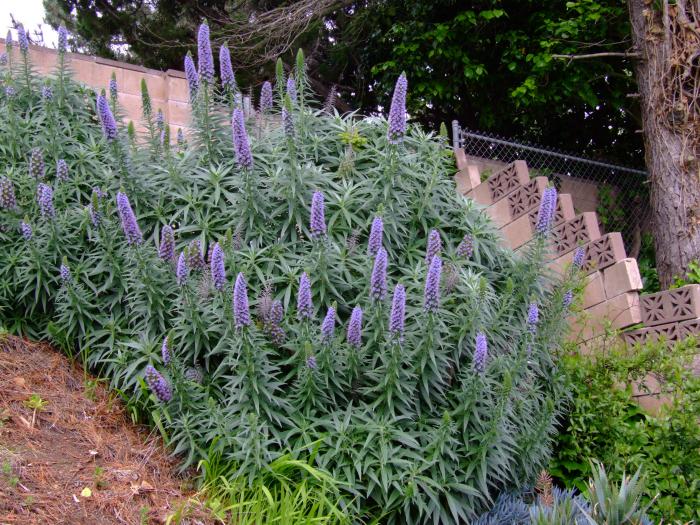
{"points": [[431, 295], [64, 271], [397, 111], [37, 167], [466, 247], [328, 325], [311, 362], [241, 145], [195, 257], [182, 271], [354, 335], [567, 299], [160, 120], [204, 55], [109, 125], [228, 79], [305, 307], [548, 207], [241, 311], [579, 255], [22, 39], [218, 270], [46, 92], [318, 216], [44, 198], [375, 236], [165, 350], [26, 230], [272, 323], [166, 250], [191, 75], [292, 88], [113, 91], [62, 170], [8, 41], [378, 279], [266, 97], [533, 317], [62, 39], [130, 226], [480, 353], [8, 200], [158, 385], [287, 122], [398, 312], [434, 246]]}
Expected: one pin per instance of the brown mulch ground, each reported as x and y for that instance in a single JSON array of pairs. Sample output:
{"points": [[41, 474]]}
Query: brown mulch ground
{"points": [[82, 439]]}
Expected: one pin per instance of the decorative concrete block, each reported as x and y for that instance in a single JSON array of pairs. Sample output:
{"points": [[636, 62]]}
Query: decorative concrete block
{"points": [[668, 332], [620, 312], [461, 159], [527, 197], [467, 179], [508, 179], [481, 194], [571, 234], [517, 232], [604, 252], [671, 305], [499, 212], [688, 328], [594, 291], [623, 276]]}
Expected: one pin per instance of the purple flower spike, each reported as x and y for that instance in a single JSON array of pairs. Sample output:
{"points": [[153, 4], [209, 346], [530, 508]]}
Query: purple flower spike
{"points": [[195, 257], [158, 385], [113, 89], [355, 328], [109, 125], [166, 250], [480, 353], [398, 312], [66, 276], [434, 246], [466, 247], [533, 317], [206, 59], [241, 312], [22, 39], [191, 75], [431, 295], [287, 123], [579, 256], [8, 200], [46, 93], [182, 271], [311, 362], [44, 197], [548, 206], [378, 279], [26, 230], [318, 216], [10, 91], [165, 350], [37, 167], [160, 120], [292, 88], [266, 97], [375, 236], [62, 170], [567, 299], [328, 326], [228, 79], [241, 145], [218, 271], [272, 323], [131, 229], [305, 307], [397, 112], [62, 39]]}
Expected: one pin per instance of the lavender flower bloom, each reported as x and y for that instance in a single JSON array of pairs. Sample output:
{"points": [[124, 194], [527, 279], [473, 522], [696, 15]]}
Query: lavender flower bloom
{"points": [[3, 59], [272, 323], [328, 326], [45, 200], [548, 206], [241, 312], [480, 353], [194, 375], [109, 125], [26, 230], [95, 215], [46, 93], [287, 123], [318, 216], [398, 312], [158, 385], [8, 200], [204, 55], [37, 167], [165, 351], [182, 271], [378, 279], [292, 88], [131, 229], [228, 79], [567, 299], [266, 97], [113, 90], [10, 91], [431, 294], [375, 236], [579, 255], [62, 39], [218, 271], [166, 250], [311, 362], [305, 307], [466, 247], [244, 157], [397, 111], [354, 336], [62, 170], [434, 246], [191, 74], [195, 257], [66, 276], [22, 39], [533, 317]]}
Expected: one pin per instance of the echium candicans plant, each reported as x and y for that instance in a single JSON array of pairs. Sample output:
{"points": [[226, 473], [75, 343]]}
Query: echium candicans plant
{"points": [[228, 77], [204, 55], [166, 250], [37, 167], [44, 198], [397, 111], [191, 76], [8, 199], [266, 97], [109, 125], [130, 226], [241, 144]]}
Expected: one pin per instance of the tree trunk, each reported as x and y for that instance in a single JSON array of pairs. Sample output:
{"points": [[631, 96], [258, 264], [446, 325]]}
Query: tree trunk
{"points": [[668, 74]]}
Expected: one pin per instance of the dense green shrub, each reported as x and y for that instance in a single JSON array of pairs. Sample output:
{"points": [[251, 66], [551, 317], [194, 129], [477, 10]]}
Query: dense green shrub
{"points": [[606, 423], [424, 421]]}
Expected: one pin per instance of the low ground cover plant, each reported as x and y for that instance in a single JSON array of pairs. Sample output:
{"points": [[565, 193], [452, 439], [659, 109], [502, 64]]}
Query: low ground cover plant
{"points": [[287, 282]]}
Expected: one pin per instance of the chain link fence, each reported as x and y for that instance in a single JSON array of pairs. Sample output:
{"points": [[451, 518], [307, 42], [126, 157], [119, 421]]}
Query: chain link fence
{"points": [[618, 194]]}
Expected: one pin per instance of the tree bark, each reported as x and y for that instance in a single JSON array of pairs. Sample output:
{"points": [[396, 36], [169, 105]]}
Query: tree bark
{"points": [[669, 82]]}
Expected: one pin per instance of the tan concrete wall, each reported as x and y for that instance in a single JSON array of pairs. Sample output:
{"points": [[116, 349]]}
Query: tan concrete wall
{"points": [[168, 89]]}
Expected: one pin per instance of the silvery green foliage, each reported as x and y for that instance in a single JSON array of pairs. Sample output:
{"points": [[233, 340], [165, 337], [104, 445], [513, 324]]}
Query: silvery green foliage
{"points": [[395, 411]]}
